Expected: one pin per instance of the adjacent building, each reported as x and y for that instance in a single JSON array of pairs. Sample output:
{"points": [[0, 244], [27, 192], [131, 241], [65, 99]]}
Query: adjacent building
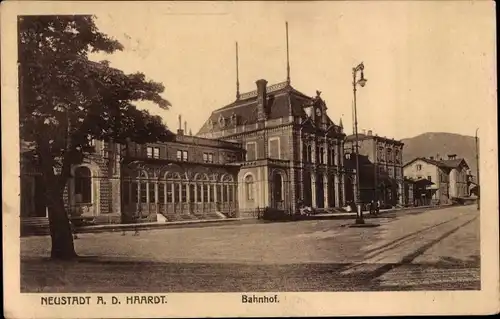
{"points": [[380, 167], [448, 178]]}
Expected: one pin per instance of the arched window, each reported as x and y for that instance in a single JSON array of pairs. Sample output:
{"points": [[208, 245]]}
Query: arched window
{"points": [[83, 185], [249, 187], [309, 153]]}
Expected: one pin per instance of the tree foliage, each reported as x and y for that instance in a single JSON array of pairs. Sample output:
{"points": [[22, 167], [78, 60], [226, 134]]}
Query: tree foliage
{"points": [[66, 99]]}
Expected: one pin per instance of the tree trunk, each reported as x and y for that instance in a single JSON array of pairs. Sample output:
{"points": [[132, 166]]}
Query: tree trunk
{"points": [[60, 228], [60, 232]]}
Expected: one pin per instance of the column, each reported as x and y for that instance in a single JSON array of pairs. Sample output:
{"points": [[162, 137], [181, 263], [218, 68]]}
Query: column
{"points": [[401, 192], [313, 189], [292, 191], [157, 204], [326, 191], [342, 189], [338, 191]]}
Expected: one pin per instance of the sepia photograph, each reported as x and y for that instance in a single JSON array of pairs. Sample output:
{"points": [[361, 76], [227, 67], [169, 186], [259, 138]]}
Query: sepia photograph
{"points": [[251, 148]]}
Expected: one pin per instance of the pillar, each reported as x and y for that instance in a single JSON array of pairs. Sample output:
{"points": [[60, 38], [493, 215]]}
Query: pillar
{"points": [[338, 191], [313, 189], [326, 191]]}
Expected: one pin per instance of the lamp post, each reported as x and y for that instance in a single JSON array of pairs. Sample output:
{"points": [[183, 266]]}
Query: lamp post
{"points": [[477, 172], [362, 82]]}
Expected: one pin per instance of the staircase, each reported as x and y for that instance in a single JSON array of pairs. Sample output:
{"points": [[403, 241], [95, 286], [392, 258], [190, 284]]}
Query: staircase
{"points": [[34, 226]]}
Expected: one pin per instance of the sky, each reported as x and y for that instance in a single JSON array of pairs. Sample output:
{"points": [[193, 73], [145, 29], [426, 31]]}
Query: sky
{"points": [[430, 66]]}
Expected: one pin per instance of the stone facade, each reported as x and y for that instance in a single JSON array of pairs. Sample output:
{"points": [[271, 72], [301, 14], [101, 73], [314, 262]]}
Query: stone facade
{"points": [[380, 166], [293, 149], [448, 178], [274, 147]]}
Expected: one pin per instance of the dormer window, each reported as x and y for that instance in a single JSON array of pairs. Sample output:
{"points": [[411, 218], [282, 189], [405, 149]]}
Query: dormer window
{"points": [[222, 121]]}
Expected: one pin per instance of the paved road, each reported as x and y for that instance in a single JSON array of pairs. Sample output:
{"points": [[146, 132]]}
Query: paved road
{"points": [[436, 249]]}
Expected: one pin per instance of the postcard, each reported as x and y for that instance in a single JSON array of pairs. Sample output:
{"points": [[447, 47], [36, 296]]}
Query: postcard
{"points": [[242, 159]]}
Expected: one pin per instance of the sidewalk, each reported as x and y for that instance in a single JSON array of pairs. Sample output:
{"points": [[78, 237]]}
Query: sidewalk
{"points": [[157, 225], [212, 222]]}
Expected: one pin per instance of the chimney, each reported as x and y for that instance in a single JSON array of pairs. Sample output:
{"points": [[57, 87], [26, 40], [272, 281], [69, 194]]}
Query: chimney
{"points": [[364, 132], [452, 156], [179, 130], [432, 157], [261, 100], [185, 127], [370, 132]]}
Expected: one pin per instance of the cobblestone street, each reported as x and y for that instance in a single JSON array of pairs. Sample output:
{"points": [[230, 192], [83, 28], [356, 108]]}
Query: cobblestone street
{"points": [[432, 250]]}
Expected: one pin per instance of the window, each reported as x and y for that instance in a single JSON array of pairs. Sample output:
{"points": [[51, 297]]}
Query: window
{"points": [[179, 155], [191, 193], [176, 192], [169, 193], [309, 153], [211, 193], [152, 194], [91, 141], [381, 154], [184, 190], [332, 156], [205, 193], [199, 190], [149, 152], [274, 147], [208, 158], [144, 193], [83, 185], [161, 193], [317, 155], [249, 187], [251, 151], [184, 156], [419, 167], [219, 193], [397, 160], [429, 178], [389, 155], [224, 193]]}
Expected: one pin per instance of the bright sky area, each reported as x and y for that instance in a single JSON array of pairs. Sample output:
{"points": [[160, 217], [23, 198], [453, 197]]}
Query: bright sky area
{"points": [[430, 65]]}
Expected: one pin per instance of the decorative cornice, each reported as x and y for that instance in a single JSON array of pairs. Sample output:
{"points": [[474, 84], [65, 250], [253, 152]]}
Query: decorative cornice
{"points": [[269, 89]]}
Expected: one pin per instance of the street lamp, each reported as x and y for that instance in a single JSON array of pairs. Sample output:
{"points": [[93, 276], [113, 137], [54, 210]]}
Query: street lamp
{"points": [[355, 82], [477, 172]]}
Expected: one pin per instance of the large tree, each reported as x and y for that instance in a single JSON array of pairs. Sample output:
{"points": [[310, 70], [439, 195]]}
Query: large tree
{"points": [[66, 99]]}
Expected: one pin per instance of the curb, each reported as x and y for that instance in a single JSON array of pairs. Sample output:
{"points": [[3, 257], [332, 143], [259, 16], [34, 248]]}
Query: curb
{"points": [[155, 225]]}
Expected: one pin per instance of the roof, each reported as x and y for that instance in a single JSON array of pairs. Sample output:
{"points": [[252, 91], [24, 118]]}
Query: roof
{"points": [[449, 164], [282, 101], [361, 136], [454, 163]]}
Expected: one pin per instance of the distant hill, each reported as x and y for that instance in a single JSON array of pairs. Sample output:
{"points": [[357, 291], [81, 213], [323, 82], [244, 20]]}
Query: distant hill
{"points": [[440, 145]]}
